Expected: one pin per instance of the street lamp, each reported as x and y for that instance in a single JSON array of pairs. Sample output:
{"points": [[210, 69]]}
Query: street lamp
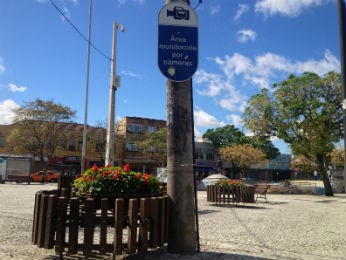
{"points": [[113, 86], [83, 159]]}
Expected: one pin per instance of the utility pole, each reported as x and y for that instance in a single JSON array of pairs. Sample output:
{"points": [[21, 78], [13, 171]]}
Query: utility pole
{"points": [[113, 86], [180, 169], [83, 159], [342, 32]]}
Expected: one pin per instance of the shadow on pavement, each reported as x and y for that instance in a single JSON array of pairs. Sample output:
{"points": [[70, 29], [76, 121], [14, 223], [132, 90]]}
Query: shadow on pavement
{"points": [[161, 254]]}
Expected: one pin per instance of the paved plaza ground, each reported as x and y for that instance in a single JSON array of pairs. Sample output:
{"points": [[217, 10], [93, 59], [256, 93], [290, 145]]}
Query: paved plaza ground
{"points": [[286, 227]]}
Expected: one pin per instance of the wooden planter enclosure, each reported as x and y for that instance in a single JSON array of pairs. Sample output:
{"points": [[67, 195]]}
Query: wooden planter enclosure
{"points": [[70, 225], [245, 194]]}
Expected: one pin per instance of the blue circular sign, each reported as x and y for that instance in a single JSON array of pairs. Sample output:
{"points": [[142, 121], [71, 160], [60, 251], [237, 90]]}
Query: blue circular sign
{"points": [[178, 41]]}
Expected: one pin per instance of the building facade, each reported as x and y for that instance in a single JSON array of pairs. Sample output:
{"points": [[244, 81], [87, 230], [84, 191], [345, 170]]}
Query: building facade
{"points": [[130, 131]]}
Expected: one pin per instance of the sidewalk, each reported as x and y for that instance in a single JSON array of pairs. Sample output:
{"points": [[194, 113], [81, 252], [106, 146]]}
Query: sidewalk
{"points": [[287, 227]]}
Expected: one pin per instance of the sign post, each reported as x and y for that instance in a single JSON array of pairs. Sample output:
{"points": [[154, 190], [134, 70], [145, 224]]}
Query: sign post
{"points": [[178, 41], [177, 60]]}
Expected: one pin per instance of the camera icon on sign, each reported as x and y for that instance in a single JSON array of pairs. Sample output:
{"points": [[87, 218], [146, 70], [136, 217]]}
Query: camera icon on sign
{"points": [[179, 13]]}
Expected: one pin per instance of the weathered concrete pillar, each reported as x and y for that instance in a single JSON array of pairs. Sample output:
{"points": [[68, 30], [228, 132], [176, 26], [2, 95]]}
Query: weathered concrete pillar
{"points": [[180, 186]]}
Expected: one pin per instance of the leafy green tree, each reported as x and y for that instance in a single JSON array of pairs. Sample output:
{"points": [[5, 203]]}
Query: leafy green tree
{"points": [[39, 127], [226, 135], [305, 111], [242, 156], [154, 146], [230, 135], [338, 157], [303, 165]]}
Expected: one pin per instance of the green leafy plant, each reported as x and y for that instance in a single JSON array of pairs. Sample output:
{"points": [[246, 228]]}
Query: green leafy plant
{"points": [[116, 181]]}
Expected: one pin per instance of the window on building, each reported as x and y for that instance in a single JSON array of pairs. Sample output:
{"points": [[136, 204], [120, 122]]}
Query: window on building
{"points": [[49, 144], [135, 128], [63, 144], [210, 156], [199, 154], [152, 129], [99, 147], [132, 147], [72, 145], [2, 141], [152, 149], [80, 145]]}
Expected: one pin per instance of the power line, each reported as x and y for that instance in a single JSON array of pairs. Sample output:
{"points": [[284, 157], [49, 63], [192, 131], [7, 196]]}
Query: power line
{"points": [[199, 2], [78, 31]]}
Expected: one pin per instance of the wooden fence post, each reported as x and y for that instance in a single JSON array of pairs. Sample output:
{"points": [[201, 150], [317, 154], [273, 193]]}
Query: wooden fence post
{"points": [[143, 225], [153, 237], [73, 225], [118, 226], [132, 228], [42, 219], [89, 223], [103, 225], [61, 225], [50, 222]]}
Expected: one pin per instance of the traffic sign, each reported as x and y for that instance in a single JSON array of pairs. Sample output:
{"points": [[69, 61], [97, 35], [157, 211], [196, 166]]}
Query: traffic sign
{"points": [[178, 41]]}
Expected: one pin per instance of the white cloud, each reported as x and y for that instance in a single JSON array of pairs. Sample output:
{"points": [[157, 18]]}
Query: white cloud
{"points": [[214, 9], [66, 12], [261, 71], [269, 67], [2, 67], [197, 132], [235, 119], [122, 2], [246, 35], [74, 2], [14, 88], [242, 8], [203, 119], [290, 8], [131, 74], [7, 111], [213, 81], [328, 63]]}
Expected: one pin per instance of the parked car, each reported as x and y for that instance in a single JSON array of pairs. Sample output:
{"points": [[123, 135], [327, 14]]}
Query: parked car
{"points": [[49, 176]]}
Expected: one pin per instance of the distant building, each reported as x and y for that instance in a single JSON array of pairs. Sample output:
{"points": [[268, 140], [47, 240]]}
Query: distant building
{"points": [[205, 156], [130, 131]]}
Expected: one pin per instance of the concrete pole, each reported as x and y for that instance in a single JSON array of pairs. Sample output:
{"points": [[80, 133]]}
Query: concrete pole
{"points": [[180, 174], [342, 32], [109, 157]]}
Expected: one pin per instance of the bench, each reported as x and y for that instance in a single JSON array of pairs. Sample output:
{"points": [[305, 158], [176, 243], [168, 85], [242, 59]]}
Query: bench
{"points": [[261, 191]]}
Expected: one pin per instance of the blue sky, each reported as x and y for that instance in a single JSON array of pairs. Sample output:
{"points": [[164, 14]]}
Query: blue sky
{"points": [[243, 47]]}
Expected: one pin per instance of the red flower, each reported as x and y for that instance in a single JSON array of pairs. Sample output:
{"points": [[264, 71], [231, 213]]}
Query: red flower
{"points": [[94, 167], [138, 175], [105, 174], [108, 165], [146, 178], [127, 167], [116, 176]]}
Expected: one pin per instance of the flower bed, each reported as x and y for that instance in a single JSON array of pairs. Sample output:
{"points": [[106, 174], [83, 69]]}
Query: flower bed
{"points": [[106, 198], [114, 182], [230, 191]]}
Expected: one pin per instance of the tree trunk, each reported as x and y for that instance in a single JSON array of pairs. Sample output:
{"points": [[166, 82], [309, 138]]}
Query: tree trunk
{"points": [[322, 169]]}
